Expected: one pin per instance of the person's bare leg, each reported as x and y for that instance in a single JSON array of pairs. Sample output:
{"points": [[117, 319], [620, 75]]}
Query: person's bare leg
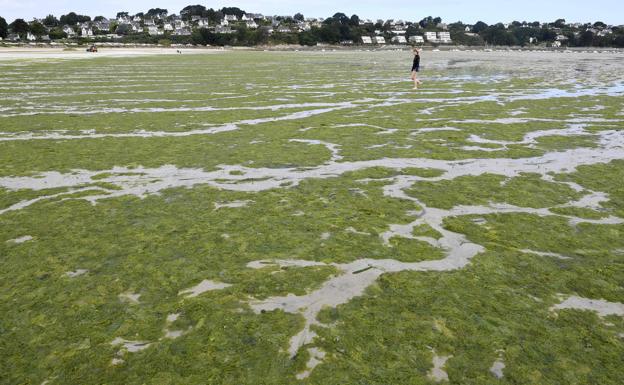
{"points": [[415, 79]]}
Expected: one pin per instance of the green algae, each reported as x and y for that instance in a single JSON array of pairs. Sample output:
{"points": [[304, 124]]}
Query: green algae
{"points": [[59, 328]]}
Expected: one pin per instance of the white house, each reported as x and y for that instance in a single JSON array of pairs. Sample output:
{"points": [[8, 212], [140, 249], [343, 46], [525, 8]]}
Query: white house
{"points": [[268, 30], [431, 36], [223, 29], [367, 40], [416, 39], [379, 40], [69, 31], [231, 18], [245, 17], [149, 22], [399, 40], [284, 29], [203, 23], [154, 31], [86, 32], [168, 27], [179, 24], [561, 38], [30, 37], [251, 24], [184, 31], [225, 23], [444, 37]]}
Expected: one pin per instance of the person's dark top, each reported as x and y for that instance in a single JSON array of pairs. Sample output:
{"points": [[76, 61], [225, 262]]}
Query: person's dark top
{"points": [[416, 65]]}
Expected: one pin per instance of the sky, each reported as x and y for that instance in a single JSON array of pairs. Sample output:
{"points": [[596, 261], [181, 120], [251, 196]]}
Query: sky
{"points": [[489, 11]]}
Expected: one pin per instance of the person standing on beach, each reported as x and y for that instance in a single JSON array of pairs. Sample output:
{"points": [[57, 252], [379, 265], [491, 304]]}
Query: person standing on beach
{"points": [[416, 68]]}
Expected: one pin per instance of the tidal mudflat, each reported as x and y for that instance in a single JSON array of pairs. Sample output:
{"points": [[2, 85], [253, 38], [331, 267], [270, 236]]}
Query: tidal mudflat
{"points": [[305, 217]]}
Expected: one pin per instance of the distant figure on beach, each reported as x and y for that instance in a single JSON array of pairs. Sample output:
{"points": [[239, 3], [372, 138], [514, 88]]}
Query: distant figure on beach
{"points": [[416, 68]]}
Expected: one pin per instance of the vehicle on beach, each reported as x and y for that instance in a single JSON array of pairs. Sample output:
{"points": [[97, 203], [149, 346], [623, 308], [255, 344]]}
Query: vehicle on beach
{"points": [[93, 48]]}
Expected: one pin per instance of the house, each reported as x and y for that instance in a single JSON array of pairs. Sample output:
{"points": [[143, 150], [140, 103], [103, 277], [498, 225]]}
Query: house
{"points": [[136, 18], [154, 31], [431, 36], [136, 27], [245, 17], [379, 40], [556, 44], [179, 24], [561, 38], [416, 39], [86, 32], [251, 24], [168, 27], [255, 16], [149, 22], [14, 37], [69, 31], [203, 23], [224, 23], [367, 40], [184, 31], [103, 25], [346, 42], [267, 29], [30, 37], [399, 40], [231, 17], [223, 29], [444, 37], [284, 29]]}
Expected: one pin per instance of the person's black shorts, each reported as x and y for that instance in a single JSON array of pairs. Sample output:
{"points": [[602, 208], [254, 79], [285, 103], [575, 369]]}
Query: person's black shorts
{"points": [[417, 69]]}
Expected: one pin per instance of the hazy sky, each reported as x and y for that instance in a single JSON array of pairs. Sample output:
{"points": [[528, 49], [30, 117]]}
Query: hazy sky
{"points": [[490, 11]]}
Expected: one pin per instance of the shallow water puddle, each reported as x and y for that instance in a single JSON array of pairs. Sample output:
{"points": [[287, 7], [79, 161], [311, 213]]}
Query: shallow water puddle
{"points": [[202, 287]]}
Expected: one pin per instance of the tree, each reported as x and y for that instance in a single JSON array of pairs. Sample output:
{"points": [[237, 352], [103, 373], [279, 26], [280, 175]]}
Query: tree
{"points": [[309, 37], [99, 18], [479, 27], [354, 21], [426, 22], [341, 18], [160, 12], [437, 20], [233, 11], [50, 21], [72, 18], [299, 17], [37, 29], [123, 29], [586, 39], [19, 26], [122, 15], [600, 24], [4, 28], [559, 23], [57, 33]]}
